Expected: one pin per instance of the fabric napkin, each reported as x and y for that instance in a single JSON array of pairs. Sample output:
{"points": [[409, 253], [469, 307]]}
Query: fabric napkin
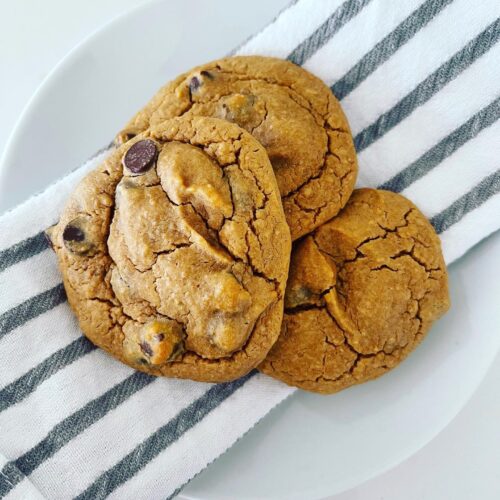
{"points": [[419, 81]]}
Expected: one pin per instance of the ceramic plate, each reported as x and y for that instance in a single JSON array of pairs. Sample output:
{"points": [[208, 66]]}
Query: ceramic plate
{"points": [[310, 446]]}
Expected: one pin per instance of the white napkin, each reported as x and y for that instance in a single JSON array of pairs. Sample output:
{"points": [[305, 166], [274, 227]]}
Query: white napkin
{"points": [[419, 84]]}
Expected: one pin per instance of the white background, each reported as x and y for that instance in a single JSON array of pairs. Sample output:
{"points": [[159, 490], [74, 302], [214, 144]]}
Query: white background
{"points": [[463, 462]]}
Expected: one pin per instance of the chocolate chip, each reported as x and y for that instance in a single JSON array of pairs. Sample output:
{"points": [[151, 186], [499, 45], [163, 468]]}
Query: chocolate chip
{"points": [[75, 237], [194, 84], [141, 156], [197, 81], [209, 75], [160, 337], [146, 348], [73, 233]]}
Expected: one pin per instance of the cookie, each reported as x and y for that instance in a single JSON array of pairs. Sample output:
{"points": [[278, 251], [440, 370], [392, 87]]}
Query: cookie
{"points": [[291, 112], [363, 291], [175, 251]]}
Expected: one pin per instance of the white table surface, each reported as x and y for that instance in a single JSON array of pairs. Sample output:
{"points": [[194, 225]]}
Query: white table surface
{"points": [[461, 463]]}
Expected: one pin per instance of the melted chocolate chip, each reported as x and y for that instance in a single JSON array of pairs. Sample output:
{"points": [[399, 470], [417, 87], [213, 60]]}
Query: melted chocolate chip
{"points": [[146, 348], [141, 156], [240, 109], [194, 84], [76, 237], [160, 337], [73, 233], [197, 81]]}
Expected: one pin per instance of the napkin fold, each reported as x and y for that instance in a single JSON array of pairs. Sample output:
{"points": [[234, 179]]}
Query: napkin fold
{"points": [[418, 81]]}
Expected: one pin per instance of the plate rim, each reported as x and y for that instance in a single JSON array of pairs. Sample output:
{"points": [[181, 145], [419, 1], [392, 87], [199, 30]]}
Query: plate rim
{"points": [[59, 66]]}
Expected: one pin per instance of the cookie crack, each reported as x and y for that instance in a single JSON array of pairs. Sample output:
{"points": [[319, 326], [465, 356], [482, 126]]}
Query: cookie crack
{"points": [[304, 307], [216, 235], [311, 178], [254, 177], [421, 263], [397, 227], [382, 267], [328, 152], [264, 118], [110, 306]]}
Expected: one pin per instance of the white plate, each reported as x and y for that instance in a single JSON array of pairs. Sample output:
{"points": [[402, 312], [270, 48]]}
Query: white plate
{"points": [[310, 446]]}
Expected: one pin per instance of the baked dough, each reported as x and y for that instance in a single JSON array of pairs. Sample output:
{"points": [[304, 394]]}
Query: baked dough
{"points": [[175, 251], [363, 291]]}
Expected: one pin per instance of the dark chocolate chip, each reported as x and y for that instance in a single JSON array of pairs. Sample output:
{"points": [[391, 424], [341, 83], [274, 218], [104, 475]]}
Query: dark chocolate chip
{"points": [[159, 337], [194, 84], [197, 81], [76, 236], [146, 348], [141, 156], [73, 233], [209, 75], [76, 239]]}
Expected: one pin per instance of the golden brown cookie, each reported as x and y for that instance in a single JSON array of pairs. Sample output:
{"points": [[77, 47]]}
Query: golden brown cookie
{"points": [[291, 112], [175, 251], [363, 291]]}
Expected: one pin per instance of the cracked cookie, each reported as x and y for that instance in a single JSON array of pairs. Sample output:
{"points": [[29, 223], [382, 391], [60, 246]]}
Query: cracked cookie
{"points": [[363, 291], [175, 251], [291, 112]]}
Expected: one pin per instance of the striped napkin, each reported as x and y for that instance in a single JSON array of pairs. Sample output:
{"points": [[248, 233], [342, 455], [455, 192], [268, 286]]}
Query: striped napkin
{"points": [[419, 81]]}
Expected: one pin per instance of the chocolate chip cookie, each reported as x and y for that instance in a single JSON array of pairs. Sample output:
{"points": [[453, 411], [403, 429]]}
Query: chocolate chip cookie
{"points": [[291, 112], [175, 251], [363, 291]]}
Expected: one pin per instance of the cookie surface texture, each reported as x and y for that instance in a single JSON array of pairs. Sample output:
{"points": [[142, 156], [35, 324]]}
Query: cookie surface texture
{"points": [[175, 251], [363, 291], [288, 110]]}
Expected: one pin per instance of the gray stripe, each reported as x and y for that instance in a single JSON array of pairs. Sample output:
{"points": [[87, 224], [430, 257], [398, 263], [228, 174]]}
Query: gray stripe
{"points": [[447, 146], [388, 46], [9, 477], [157, 442], [320, 37], [488, 187], [430, 86], [31, 308], [23, 250], [62, 433], [22, 387]]}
